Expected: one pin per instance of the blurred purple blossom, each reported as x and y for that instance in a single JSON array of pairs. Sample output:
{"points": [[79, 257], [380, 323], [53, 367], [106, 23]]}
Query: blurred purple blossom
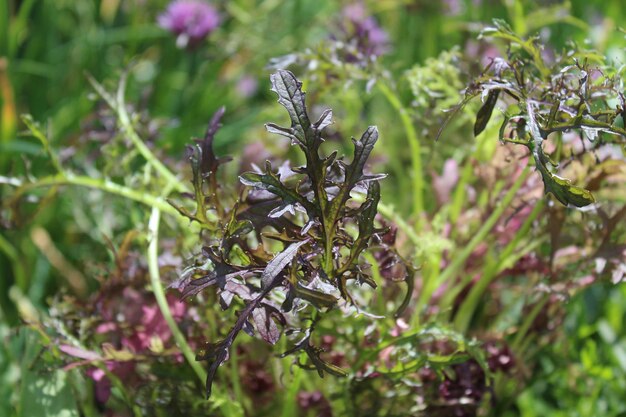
{"points": [[453, 7], [482, 52], [314, 401], [102, 384], [371, 40], [462, 390], [247, 86], [190, 20], [444, 184]]}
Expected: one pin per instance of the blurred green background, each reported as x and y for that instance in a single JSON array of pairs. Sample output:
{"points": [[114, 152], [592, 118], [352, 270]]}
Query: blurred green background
{"points": [[48, 46]]}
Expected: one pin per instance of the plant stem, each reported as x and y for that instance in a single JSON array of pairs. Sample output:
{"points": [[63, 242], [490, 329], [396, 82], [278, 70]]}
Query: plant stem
{"points": [[21, 279], [466, 311], [528, 321], [99, 184], [118, 105], [126, 124], [159, 294], [459, 259], [228, 406], [414, 144]]}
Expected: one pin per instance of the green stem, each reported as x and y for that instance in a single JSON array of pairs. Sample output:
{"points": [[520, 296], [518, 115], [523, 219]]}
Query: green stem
{"points": [[528, 321], [118, 105], [159, 294], [126, 124], [18, 269], [99, 184], [329, 235], [459, 259], [469, 305], [414, 144], [229, 408]]}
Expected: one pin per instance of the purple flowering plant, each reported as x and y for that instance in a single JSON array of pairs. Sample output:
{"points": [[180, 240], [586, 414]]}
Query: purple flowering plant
{"points": [[192, 21]]}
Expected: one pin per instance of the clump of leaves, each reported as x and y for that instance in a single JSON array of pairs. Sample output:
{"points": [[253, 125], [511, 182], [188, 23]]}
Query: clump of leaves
{"points": [[291, 244], [541, 98], [436, 83]]}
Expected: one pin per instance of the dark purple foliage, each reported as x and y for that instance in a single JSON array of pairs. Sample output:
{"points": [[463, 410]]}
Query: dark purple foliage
{"points": [[304, 209]]}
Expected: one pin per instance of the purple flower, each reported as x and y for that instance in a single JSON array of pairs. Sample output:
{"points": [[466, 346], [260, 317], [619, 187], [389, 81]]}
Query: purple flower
{"points": [[371, 40], [444, 183], [247, 86], [190, 20]]}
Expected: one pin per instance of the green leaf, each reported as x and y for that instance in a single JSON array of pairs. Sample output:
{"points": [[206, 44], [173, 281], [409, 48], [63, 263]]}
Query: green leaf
{"points": [[561, 188], [44, 390], [484, 114], [564, 191], [317, 298]]}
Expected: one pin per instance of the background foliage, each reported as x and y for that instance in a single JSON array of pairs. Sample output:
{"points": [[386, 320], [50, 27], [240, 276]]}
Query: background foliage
{"points": [[517, 306]]}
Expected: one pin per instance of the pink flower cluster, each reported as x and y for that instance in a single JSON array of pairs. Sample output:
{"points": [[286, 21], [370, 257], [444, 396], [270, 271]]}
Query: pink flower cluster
{"points": [[190, 20]]}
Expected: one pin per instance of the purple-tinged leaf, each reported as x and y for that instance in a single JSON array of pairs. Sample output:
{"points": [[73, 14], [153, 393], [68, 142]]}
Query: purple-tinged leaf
{"points": [[247, 327], [362, 149], [264, 318], [291, 96], [276, 265], [271, 182], [325, 120]]}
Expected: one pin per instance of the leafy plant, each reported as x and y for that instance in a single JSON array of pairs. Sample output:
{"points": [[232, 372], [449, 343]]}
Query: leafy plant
{"points": [[540, 98], [309, 211]]}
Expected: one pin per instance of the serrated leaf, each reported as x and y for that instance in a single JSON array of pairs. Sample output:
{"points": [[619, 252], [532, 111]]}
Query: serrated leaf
{"points": [[265, 320], [283, 131], [194, 280], [362, 149], [204, 165], [292, 98], [325, 120], [280, 261], [270, 181], [365, 221], [561, 188], [367, 216], [209, 161], [217, 353], [314, 355]]}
